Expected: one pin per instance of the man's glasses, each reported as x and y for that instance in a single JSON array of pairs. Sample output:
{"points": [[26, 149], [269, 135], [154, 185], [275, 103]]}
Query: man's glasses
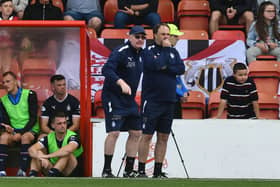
{"points": [[140, 37]]}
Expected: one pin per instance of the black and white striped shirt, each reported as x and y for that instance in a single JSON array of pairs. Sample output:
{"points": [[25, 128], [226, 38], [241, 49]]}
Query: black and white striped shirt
{"points": [[239, 98]]}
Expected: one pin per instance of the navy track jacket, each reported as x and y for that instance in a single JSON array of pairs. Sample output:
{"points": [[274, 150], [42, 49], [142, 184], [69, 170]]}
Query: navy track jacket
{"points": [[161, 65], [126, 63]]}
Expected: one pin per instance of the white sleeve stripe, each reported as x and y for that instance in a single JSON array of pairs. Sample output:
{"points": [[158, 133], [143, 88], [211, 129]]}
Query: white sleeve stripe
{"points": [[46, 117], [41, 144]]}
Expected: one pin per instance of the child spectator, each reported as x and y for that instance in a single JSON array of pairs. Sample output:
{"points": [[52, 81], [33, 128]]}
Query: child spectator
{"points": [[7, 10], [240, 95], [264, 36], [276, 2], [137, 12], [230, 12]]}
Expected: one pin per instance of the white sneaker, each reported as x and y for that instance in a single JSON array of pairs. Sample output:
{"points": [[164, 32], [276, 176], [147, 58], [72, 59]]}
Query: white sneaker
{"points": [[3, 173], [21, 173]]}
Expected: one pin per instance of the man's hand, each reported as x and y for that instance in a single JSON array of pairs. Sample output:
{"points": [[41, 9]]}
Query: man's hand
{"points": [[128, 11], [8, 128], [44, 162], [124, 86], [231, 12], [166, 43]]}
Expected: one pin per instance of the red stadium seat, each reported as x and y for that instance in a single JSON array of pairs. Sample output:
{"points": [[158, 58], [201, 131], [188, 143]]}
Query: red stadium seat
{"points": [[193, 14], [194, 35], [213, 105], [37, 72], [166, 11], [194, 108], [42, 95], [264, 72], [269, 106], [121, 33], [75, 93], [266, 57], [98, 107], [228, 35]]}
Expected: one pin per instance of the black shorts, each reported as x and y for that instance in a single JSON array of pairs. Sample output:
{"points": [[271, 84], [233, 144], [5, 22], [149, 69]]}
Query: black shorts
{"points": [[122, 120], [157, 117]]}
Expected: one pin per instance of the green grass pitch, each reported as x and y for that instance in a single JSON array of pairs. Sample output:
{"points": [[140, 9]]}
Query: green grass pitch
{"points": [[97, 182]]}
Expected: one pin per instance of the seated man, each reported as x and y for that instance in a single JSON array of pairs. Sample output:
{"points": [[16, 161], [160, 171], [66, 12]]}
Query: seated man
{"points": [[60, 101], [42, 10], [88, 10], [20, 123], [230, 12], [56, 154], [137, 12]]}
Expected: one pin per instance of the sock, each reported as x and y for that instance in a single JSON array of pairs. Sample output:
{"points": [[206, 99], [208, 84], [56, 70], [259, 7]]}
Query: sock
{"points": [[53, 172], [107, 163], [24, 157], [157, 168], [141, 167], [3, 156], [129, 163]]}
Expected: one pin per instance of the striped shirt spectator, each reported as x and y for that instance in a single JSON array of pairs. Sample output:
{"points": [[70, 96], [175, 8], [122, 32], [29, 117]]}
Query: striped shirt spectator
{"points": [[239, 98]]}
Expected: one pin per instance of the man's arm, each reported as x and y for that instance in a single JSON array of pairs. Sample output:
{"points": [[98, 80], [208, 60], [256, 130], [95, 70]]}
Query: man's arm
{"points": [[110, 67], [176, 65], [76, 124], [256, 109], [44, 125], [4, 115], [75, 112], [35, 150], [63, 151]]}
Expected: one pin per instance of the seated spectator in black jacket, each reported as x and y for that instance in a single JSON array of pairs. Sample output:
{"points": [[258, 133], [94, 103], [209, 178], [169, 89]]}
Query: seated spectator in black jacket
{"points": [[230, 12], [42, 10], [137, 12]]}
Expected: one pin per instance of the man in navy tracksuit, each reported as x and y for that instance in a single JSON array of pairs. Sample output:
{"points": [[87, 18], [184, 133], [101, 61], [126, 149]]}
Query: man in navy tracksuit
{"points": [[122, 74], [161, 65]]}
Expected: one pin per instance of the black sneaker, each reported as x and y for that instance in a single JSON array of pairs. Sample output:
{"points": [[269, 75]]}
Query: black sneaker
{"points": [[142, 174], [107, 174], [160, 175], [130, 174], [33, 173]]}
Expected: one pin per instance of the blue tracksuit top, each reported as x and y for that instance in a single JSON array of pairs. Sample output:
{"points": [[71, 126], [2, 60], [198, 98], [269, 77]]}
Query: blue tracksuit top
{"points": [[161, 65], [126, 63]]}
